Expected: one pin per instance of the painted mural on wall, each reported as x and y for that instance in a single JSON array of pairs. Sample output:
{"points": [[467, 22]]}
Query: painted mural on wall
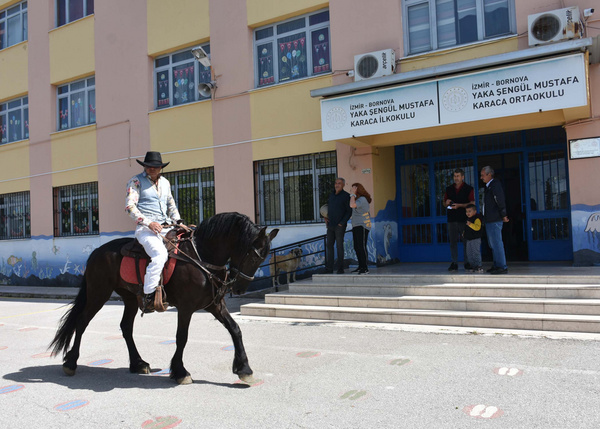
{"points": [[586, 234], [48, 261]]}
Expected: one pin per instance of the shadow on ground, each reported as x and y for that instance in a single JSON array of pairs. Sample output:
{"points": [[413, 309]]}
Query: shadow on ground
{"points": [[101, 379]]}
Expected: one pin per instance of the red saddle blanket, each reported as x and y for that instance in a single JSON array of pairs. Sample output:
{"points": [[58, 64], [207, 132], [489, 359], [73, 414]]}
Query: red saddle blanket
{"points": [[128, 269]]}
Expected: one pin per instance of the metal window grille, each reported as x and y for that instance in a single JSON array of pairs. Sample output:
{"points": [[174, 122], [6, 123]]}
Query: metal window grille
{"points": [[550, 229], [415, 190], [194, 193], [416, 234], [15, 216], [14, 120], [76, 210], [548, 180], [291, 190]]}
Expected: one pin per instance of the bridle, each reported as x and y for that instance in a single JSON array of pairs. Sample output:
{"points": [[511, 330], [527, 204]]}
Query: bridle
{"points": [[237, 272]]}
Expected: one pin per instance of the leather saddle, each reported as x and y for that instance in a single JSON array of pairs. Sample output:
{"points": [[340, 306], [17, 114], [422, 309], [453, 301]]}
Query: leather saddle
{"points": [[135, 259]]}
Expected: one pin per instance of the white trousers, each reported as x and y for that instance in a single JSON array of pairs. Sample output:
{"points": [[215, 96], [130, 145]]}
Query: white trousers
{"points": [[156, 249]]}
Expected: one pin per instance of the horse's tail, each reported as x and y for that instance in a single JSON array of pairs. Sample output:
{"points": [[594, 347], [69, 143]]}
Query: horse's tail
{"points": [[68, 323]]}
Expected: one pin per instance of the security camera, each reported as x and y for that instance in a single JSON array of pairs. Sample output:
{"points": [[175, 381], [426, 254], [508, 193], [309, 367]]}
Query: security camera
{"points": [[350, 73], [588, 12]]}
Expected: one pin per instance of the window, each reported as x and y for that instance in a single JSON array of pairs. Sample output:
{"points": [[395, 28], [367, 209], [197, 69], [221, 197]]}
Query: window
{"points": [[72, 10], [76, 210], [177, 78], [291, 190], [15, 219], [194, 193], [439, 24], [14, 120], [76, 104], [292, 49], [13, 25]]}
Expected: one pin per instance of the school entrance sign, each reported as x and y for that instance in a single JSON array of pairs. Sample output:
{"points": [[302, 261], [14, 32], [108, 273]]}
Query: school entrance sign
{"points": [[557, 83]]}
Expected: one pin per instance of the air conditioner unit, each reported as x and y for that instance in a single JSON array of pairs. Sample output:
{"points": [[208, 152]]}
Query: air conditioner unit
{"points": [[548, 27], [374, 64]]}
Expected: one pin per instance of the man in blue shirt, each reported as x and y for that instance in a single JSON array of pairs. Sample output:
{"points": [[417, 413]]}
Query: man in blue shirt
{"points": [[339, 213]]}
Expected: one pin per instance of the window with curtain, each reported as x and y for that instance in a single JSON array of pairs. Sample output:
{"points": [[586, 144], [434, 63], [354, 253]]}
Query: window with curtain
{"points": [[72, 10], [15, 217], [292, 49], [76, 210], [177, 78], [194, 193], [14, 120], [291, 190], [76, 104], [439, 24], [13, 25]]}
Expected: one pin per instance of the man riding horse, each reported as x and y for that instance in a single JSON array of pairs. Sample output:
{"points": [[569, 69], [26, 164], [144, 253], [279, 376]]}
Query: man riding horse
{"points": [[150, 203]]}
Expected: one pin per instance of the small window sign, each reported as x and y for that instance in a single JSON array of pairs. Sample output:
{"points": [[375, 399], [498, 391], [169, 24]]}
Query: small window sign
{"points": [[585, 148]]}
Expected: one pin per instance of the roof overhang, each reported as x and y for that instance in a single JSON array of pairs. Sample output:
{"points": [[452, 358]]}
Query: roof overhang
{"points": [[453, 68]]}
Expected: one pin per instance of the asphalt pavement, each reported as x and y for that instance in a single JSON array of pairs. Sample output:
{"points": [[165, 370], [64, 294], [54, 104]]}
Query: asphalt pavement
{"points": [[308, 375]]}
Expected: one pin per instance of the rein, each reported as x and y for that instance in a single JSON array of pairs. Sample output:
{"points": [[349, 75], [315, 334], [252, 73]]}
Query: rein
{"points": [[225, 285]]}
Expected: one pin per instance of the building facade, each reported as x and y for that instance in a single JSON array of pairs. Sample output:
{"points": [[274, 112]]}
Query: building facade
{"points": [[103, 82]]}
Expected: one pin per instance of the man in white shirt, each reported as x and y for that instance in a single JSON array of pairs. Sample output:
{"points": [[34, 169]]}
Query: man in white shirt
{"points": [[150, 203]]}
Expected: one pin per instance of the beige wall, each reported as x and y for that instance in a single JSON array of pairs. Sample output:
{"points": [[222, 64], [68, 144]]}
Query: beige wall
{"points": [[175, 24], [14, 71], [72, 51]]}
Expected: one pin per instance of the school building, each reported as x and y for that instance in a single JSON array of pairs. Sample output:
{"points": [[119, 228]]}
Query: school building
{"points": [[394, 94]]}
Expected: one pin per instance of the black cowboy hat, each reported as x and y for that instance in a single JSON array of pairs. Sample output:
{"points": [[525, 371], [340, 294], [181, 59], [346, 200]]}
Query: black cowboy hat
{"points": [[152, 159]]}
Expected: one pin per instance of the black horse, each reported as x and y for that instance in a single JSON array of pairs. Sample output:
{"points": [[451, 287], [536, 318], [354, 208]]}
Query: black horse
{"points": [[223, 238]]}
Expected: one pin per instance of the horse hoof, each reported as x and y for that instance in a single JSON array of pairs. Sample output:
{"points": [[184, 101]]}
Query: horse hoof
{"points": [[68, 371], [185, 380], [145, 369], [247, 378]]}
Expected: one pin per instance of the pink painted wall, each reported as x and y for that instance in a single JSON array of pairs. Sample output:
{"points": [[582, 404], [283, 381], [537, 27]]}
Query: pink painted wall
{"points": [[357, 28], [583, 172], [42, 115], [231, 58], [124, 94]]}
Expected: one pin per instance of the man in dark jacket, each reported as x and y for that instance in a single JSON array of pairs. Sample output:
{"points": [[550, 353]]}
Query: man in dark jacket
{"points": [[457, 198], [494, 215], [339, 213]]}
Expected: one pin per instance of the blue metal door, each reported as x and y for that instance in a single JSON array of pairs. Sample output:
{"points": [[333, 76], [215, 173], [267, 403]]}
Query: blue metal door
{"points": [[533, 169]]}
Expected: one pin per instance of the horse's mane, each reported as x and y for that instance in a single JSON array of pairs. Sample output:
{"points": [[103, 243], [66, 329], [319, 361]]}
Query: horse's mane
{"points": [[222, 224]]}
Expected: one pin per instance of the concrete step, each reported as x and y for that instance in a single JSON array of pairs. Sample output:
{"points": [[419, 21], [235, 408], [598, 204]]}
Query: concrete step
{"points": [[565, 291], [413, 279], [471, 319], [512, 305]]}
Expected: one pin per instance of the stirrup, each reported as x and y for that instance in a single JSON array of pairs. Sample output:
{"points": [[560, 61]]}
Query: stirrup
{"points": [[160, 299]]}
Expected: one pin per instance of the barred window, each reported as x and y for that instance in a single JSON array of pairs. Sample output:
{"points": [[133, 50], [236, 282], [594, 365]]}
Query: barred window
{"points": [[194, 193], [15, 218], [76, 210], [291, 190]]}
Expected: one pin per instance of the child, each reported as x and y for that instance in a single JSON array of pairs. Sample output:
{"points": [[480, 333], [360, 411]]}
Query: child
{"points": [[473, 235]]}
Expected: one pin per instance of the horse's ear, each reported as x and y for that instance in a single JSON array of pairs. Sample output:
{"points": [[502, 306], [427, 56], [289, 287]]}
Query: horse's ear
{"points": [[262, 233], [273, 234]]}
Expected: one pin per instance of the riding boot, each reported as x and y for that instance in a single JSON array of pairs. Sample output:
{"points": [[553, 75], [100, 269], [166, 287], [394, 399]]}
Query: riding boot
{"points": [[149, 303]]}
